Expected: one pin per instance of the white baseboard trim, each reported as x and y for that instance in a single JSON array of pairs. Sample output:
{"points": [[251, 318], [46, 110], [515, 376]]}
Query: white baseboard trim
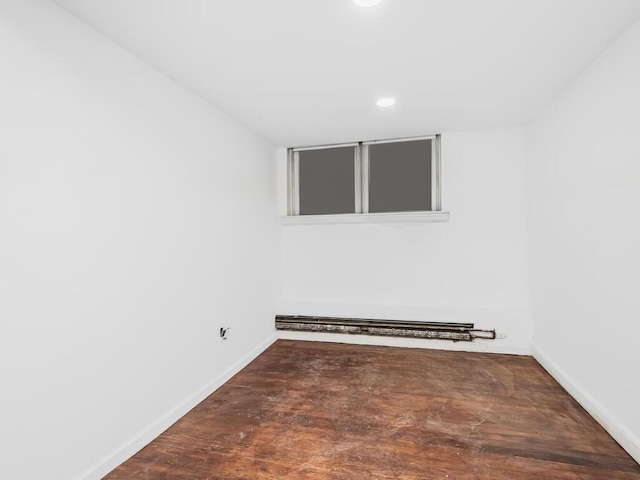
{"points": [[482, 346], [626, 439], [148, 434]]}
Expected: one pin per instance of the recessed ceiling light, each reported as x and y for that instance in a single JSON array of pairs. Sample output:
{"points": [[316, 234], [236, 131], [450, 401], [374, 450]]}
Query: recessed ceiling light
{"points": [[386, 102], [366, 3]]}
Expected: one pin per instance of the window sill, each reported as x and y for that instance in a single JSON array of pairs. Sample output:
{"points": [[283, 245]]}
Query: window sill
{"points": [[363, 218]]}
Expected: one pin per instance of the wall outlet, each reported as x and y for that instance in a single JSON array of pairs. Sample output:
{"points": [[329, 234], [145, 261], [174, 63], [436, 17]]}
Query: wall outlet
{"points": [[224, 332]]}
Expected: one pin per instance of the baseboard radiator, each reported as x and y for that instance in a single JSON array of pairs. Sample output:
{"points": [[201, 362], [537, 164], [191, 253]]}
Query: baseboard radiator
{"points": [[457, 332]]}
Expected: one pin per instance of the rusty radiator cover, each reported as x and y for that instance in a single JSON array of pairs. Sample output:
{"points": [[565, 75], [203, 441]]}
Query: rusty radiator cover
{"points": [[457, 332]]}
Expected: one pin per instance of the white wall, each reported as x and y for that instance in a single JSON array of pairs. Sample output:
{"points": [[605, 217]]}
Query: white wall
{"points": [[472, 268], [135, 220], [584, 227]]}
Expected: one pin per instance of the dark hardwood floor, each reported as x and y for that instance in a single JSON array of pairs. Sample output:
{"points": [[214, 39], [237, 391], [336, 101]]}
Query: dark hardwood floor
{"points": [[320, 411]]}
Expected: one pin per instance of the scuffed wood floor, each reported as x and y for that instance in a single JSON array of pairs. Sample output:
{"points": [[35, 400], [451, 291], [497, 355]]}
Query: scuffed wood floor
{"points": [[320, 411]]}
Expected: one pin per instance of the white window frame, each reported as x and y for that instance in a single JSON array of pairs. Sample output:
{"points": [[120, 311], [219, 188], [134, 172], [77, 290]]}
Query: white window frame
{"points": [[361, 200]]}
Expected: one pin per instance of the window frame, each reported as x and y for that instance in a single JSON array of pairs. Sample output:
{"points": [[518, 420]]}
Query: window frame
{"points": [[361, 178]]}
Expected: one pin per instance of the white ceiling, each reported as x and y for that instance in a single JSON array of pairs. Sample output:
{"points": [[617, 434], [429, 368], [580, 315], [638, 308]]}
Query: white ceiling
{"points": [[303, 72]]}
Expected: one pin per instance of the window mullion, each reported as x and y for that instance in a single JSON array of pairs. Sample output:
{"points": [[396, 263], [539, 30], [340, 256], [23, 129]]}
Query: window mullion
{"points": [[357, 163], [364, 173]]}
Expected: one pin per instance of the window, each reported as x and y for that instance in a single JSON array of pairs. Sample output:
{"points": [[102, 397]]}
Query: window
{"points": [[378, 178], [326, 180], [400, 176]]}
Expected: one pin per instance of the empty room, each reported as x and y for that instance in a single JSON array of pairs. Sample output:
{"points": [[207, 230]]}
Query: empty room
{"points": [[319, 239]]}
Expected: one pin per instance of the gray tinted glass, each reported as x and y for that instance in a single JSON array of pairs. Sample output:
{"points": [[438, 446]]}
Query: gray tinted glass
{"points": [[400, 176], [327, 181]]}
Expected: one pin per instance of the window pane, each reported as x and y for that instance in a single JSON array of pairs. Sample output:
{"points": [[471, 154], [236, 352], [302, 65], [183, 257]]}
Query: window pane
{"points": [[400, 176], [327, 181]]}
